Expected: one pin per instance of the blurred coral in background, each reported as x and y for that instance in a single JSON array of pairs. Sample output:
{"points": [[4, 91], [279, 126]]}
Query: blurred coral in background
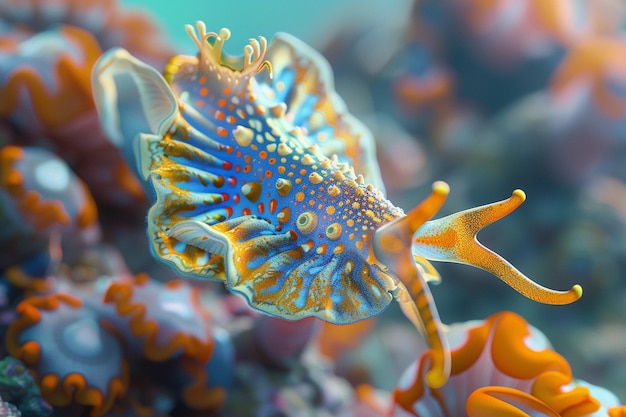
{"points": [[489, 96]]}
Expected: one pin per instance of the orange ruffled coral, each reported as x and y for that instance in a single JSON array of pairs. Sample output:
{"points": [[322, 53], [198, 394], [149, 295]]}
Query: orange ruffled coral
{"points": [[500, 367], [111, 24], [594, 65], [46, 75], [83, 349], [56, 105], [162, 319], [39, 213]]}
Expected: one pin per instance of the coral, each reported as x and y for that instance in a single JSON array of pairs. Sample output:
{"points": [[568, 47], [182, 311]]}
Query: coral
{"points": [[84, 364], [42, 197], [110, 24], [167, 319], [501, 366], [80, 346], [268, 196], [48, 51], [18, 391]]}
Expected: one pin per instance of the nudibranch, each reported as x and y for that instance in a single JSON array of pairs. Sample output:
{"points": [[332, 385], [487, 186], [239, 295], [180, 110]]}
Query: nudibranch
{"points": [[258, 173], [501, 366]]}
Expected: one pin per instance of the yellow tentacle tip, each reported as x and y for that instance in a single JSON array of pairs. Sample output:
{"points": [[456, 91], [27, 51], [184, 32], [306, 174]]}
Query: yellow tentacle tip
{"points": [[441, 187], [519, 194], [578, 291], [435, 379]]}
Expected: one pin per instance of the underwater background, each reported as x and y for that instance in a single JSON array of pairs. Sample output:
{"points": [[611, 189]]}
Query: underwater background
{"points": [[489, 100]]}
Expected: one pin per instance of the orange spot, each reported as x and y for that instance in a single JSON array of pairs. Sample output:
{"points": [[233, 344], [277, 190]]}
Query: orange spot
{"points": [[246, 211], [222, 132], [226, 91], [202, 80], [219, 115], [88, 214], [204, 91], [330, 210], [221, 102], [272, 206], [263, 155], [299, 196]]}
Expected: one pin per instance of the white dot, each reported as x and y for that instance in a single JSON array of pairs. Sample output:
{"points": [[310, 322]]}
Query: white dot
{"points": [[83, 337], [53, 175]]}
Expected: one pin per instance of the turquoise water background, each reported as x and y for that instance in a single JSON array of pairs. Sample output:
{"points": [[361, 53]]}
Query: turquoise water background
{"points": [[312, 21]]}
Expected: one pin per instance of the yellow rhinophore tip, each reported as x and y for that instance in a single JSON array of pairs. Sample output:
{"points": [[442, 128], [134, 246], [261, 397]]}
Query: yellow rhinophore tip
{"points": [[441, 187], [578, 291], [436, 379], [519, 194]]}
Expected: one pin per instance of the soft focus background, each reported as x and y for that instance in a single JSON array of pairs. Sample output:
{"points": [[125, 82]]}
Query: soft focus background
{"points": [[489, 101], [315, 22]]}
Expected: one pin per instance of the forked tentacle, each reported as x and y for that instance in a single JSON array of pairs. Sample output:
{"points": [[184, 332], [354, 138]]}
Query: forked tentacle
{"points": [[391, 248], [453, 239]]}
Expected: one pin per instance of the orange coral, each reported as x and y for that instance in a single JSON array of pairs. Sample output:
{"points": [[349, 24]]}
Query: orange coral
{"points": [[46, 81], [56, 105], [499, 367], [27, 340], [155, 321], [593, 64], [39, 213]]}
